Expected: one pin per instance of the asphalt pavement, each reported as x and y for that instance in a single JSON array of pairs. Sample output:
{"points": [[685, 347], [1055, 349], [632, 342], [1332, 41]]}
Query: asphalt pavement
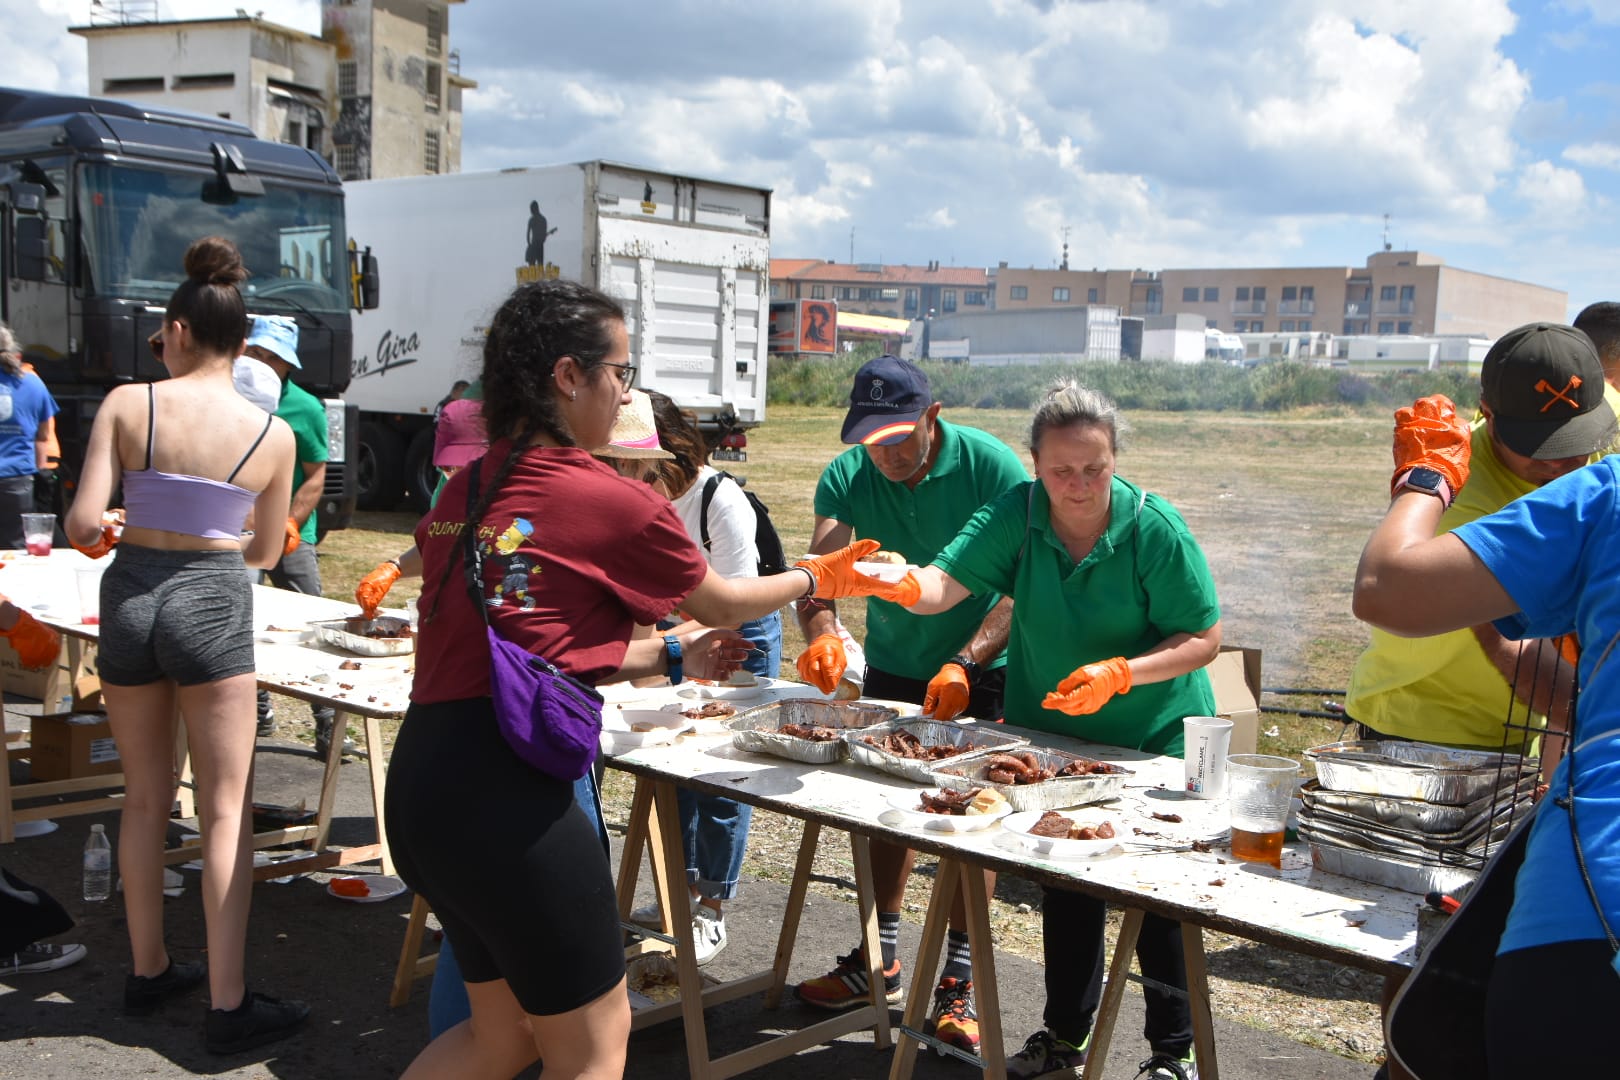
{"points": [[340, 956]]}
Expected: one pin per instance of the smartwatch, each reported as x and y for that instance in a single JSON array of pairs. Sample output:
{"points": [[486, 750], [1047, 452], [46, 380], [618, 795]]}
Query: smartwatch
{"points": [[672, 654], [1425, 480], [972, 669]]}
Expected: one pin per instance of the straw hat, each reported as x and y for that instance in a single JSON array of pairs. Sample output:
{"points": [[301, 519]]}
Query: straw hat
{"points": [[635, 435]]}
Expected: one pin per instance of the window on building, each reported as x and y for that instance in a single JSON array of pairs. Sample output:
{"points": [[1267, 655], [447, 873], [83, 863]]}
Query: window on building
{"points": [[1092, 296], [1386, 292], [1286, 326], [347, 163], [431, 89], [1018, 292], [1189, 294], [776, 290], [1307, 293], [947, 300], [435, 31], [911, 300], [204, 82], [1256, 326], [973, 297], [1242, 293], [430, 152], [843, 292], [1351, 328], [1386, 328], [1211, 294], [1289, 293], [348, 78], [1259, 293], [1240, 326], [113, 87], [818, 292], [1408, 293], [1060, 295], [1403, 327], [1305, 326], [1211, 324]]}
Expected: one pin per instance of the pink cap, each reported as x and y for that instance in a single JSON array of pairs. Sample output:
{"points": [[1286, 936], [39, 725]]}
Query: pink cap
{"points": [[460, 437]]}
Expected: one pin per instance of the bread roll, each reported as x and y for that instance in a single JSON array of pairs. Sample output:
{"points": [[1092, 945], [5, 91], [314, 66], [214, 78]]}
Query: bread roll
{"points": [[987, 801], [847, 691], [892, 557]]}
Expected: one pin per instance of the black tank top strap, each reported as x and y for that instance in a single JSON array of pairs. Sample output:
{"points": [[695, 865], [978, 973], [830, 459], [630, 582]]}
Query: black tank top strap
{"points": [[262, 433], [151, 422]]}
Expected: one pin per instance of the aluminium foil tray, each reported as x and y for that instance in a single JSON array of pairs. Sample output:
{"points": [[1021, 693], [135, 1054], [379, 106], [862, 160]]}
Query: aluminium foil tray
{"points": [[1057, 793], [755, 729], [974, 740]]}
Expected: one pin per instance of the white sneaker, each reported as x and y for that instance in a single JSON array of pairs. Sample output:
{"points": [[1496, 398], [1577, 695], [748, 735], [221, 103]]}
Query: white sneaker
{"points": [[43, 956], [647, 915], [708, 933]]}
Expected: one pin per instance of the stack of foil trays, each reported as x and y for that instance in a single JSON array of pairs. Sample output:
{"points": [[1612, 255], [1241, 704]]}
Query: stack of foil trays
{"points": [[1409, 815]]}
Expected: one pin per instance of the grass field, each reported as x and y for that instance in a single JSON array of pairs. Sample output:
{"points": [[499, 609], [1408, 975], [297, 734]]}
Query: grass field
{"points": [[1281, 504]]}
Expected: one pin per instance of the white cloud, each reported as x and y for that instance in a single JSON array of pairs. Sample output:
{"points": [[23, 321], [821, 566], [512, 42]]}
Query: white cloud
{"points": [[939, 218], [1553, 192], [1595, 155]]}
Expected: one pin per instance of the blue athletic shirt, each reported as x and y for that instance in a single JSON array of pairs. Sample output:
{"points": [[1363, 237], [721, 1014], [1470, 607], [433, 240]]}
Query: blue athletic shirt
{"points": [[1557, 553], [25, 405]]}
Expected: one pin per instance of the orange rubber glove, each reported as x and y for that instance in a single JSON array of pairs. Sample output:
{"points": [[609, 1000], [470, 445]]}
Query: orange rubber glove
{"points": [[373, 588], [1088, 688], [822, 663], [1430, 434], [294, 538], [836, 576], [948, 692], [112, 527], [36, 644]]}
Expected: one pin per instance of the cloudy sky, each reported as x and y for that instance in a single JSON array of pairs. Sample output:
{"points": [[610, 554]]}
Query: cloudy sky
{"points": [[1191, 133]]}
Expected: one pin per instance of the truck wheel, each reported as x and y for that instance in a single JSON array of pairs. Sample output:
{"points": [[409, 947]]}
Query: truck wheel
{"points": [[380, 476], [420, 475]]}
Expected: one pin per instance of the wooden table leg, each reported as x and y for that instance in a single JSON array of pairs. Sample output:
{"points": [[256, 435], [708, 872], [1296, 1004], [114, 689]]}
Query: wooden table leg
{"points": [[635, 839], [667, 811], [186, 789], [1102, 1027], [871, 943], [986, 997], [1192, 944], [329, 782], [947, 879], [407, 970], [379, 772], [790, 916]]}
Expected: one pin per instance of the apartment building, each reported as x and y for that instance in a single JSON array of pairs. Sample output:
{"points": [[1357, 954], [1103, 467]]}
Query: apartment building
{"points": [[900, 292], [378, 94], [1396, 292]]}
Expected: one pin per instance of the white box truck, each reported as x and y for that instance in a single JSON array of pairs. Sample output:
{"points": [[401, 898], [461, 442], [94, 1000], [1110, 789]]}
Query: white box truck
{"points": [[688, 258]]}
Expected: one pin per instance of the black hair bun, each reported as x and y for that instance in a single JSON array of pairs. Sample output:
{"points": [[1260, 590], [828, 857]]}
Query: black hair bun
{"points": [[214, 260]]}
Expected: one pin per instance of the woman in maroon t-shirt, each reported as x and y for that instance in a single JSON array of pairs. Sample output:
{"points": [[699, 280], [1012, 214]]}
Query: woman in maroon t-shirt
{"points": [[578, 556]]}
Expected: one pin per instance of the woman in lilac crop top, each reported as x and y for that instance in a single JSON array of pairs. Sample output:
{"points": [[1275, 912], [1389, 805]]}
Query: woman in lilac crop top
{"points": [[194, 460]]}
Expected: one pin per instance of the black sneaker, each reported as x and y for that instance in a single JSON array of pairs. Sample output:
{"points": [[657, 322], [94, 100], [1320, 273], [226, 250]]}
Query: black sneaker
{"points": [[144, 993], [267, 725], [258, 1020]]}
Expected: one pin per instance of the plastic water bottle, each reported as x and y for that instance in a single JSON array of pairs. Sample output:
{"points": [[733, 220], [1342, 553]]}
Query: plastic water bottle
{"points": [[97, 864]]}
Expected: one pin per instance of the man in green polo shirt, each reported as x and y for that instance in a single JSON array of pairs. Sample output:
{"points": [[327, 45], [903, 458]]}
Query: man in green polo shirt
{"points": [[909, 480]]}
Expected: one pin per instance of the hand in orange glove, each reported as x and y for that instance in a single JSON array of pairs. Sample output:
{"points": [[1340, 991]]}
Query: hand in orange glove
{"points": [[822, 663], [948, 692], [1089, 688], [112, 527], [36, 644], [1430, 434], [836, 576], [294, 538], [373, 588]]}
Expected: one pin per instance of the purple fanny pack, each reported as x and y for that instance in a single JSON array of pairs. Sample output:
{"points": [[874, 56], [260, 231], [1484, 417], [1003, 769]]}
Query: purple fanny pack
{"points": [[550, 719]]}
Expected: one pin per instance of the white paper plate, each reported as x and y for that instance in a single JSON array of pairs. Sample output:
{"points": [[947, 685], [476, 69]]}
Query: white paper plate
{"points": [[1018, 825], [890, 572], [42, 827], [903, 811], [616, 741], [707, 692], [284, 637], [382, 888]]}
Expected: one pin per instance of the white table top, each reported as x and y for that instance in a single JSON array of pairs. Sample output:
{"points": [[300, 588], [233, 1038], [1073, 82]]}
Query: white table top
{"points": [[1298, 907]]}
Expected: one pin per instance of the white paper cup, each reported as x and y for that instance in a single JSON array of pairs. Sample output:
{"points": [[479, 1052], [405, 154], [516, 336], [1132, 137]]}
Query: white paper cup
{"points": [[89, 583], [1206, 741]]}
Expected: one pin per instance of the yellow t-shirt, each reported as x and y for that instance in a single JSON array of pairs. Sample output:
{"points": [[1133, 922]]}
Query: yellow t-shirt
{"points": [[1612, 396], [1443, 689]]}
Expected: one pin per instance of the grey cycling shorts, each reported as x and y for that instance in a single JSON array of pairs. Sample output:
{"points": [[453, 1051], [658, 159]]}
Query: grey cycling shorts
{"points": [[180, 615]]}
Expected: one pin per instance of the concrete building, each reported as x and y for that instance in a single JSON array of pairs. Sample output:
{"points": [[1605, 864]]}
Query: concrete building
{"points": [[378, 94], [900, 292], [1396, 292], [1071, 335]]}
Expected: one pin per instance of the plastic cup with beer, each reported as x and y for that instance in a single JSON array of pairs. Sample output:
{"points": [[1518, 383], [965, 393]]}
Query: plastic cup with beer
{"points": [[89, 581], [1260, 789], [1204, 746], [38, 529]]}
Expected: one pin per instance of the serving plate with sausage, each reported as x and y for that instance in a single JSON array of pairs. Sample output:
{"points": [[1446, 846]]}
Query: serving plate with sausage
{"points": [[1036, 778]]}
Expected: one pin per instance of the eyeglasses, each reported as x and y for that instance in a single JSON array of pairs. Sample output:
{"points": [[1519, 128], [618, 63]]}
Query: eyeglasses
{"points": [[627, 373], [155, 342]]}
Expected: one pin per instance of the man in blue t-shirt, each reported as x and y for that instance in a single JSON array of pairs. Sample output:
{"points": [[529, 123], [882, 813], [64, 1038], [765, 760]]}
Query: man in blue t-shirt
{"points": [[27, 428]]}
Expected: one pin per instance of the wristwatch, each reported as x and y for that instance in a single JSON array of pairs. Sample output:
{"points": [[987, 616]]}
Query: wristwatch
{"points": [[672, 653], [973, 670], [1425, 480]]}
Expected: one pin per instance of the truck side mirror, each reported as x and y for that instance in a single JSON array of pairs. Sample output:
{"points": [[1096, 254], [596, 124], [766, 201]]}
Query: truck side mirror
{"points": [[367, 282], [33, 250]]}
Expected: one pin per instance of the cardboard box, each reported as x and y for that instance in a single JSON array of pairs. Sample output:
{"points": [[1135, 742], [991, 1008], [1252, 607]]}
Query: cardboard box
{"points": [[49, 687], [68, 747], [1235, 676]]}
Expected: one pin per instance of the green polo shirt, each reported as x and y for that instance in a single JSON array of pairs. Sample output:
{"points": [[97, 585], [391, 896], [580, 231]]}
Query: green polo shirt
{"points": [[306, 416], [971, 469], [1145, 580]]}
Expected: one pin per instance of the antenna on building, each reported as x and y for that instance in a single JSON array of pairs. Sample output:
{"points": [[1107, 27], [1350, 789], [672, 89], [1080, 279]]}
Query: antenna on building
{"points": [[1386, 232], [852, 244], [1065, 264]]}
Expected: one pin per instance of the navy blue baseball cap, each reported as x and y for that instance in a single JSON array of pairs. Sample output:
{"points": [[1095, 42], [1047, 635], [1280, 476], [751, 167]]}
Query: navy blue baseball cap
{"points": [[889, 397]]}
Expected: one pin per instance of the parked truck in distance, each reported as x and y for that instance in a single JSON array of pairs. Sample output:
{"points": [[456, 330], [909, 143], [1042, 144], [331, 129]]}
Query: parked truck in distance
{"points": [[688, 258], [99, 200]]}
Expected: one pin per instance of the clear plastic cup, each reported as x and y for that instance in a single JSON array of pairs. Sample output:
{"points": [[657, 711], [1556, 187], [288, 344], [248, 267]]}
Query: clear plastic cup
{"points": [[1260, 789], [1205, 742], [89, 582], [38, 530]]}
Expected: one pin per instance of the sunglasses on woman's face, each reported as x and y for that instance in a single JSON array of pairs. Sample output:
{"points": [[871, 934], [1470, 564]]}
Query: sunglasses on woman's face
{"points": [[155, 342]]}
